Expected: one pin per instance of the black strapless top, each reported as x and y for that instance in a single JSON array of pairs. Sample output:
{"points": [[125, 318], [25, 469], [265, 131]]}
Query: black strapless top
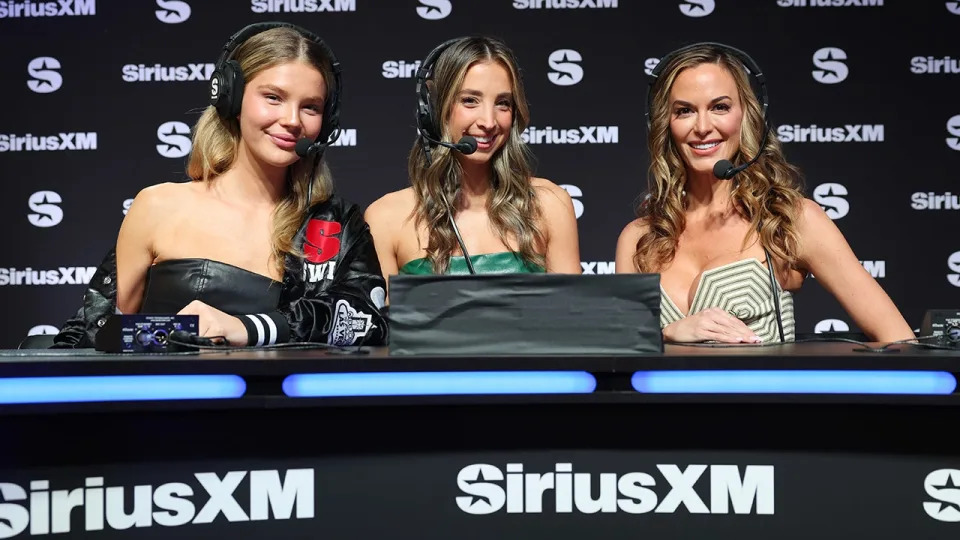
{"points": [[173, 284]]}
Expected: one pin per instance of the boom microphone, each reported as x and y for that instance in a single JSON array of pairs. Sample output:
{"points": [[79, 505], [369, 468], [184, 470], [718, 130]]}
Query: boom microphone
{"points": [[724, 169], [305, 147], [466, 145]]}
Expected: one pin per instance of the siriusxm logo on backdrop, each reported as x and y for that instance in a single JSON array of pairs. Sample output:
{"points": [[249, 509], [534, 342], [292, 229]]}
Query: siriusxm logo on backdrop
{"points": [[488, 490], [830, 3], [953, 263], [953, 128], [10, 142], [60, 8], [168, 505], [433, 10], [943, 485], [931, 64], [598, 267], [581, 135], [46, 77], [563, 4], [832, 70], [832, 198], [158, 73], [831, 325], [65, 275], [934, 201], [46, 208], [301, 6], [877, 269], [399, 69], [567, 70], [697, 8], [127, 203], [814, 133], [953, 7], [649, 64], [575, 194], [175, 137], [348, 137], [172, 11]]}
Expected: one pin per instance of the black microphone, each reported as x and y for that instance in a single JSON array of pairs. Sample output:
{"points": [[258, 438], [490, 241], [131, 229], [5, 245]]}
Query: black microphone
{"points": [[466, 145], [724, 169], [305, 147]]}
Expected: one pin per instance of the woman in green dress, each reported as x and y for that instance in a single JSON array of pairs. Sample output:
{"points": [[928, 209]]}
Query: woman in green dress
{"points": [[481, 189]]}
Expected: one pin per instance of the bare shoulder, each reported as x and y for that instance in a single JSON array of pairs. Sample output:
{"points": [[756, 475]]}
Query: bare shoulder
{"points": [[551, 196], [162, 199], [633, 231], [392, 207]]}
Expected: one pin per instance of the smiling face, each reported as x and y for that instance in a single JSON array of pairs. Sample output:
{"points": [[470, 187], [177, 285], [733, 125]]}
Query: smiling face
{"points": [[281, 104], [705, 116], [483, 109]]}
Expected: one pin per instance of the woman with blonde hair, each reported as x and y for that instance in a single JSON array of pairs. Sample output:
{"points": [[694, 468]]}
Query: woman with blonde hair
{"points": [[256, 244], [725, 223], [474, 205]]}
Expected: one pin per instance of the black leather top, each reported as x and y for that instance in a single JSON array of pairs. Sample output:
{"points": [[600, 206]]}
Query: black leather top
{"points": [[173, 284]]}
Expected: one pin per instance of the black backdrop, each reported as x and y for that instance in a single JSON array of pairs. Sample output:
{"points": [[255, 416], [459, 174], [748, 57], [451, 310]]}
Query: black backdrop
{"points": [[863, 93]]}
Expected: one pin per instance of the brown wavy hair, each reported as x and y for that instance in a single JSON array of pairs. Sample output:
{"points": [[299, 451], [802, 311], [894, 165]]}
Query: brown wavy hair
{"points": [[768, 193], [513, 207], [215, 139]]}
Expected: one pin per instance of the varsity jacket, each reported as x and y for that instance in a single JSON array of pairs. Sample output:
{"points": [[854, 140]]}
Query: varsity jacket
{"points": [[332, 294]]}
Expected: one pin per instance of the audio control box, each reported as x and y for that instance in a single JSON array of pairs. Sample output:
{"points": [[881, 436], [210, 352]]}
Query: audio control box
{"points": [[143, 333]]}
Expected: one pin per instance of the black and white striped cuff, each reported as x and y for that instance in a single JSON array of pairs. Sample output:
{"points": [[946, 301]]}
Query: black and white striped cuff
{"points": [[265, 328]]}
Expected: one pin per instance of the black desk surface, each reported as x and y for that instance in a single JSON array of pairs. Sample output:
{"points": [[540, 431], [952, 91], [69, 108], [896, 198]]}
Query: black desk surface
{"points": [[672, 466]]}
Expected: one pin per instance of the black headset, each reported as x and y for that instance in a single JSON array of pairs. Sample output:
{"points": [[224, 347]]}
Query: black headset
{"points": [[227, 82]]}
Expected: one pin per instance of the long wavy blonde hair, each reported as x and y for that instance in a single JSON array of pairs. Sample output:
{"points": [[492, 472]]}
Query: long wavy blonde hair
{"points": [[768, 193], [513, 207], [215, 139]]}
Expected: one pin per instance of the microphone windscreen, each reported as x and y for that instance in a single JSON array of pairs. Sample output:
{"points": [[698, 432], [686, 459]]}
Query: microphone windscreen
{"points": [[723, 169], [303, 147], [467, 144]]}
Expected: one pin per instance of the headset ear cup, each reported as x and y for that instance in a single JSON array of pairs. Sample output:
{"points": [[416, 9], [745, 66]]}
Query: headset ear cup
{"points": [[235, 82]]}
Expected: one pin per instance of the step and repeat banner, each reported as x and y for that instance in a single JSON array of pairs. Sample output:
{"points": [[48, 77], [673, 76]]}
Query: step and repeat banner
{"points": [[100, 97]]}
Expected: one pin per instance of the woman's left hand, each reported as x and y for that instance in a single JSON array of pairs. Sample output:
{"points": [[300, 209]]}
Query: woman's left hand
{"points": [[214, 322]]}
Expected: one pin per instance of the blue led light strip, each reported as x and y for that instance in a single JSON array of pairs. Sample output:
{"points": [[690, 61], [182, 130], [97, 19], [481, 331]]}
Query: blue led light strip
{"points": [[794, 382], [438, 383], [23, 390]]}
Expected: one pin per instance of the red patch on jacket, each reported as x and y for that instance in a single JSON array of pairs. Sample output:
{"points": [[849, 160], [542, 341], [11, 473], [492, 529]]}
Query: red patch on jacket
{"points": [[320, 244]]}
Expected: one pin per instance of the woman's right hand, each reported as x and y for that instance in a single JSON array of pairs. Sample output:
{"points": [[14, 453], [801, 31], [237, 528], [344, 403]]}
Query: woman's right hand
{"points": [[711, 324]]}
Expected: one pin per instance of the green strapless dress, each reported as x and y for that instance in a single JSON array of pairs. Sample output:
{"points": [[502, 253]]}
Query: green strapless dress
{"points": [[487, 263]]}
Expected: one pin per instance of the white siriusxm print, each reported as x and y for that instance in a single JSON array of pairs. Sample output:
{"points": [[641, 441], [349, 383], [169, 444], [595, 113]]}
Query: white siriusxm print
{"points": [[563, 4], [488, 490], [46, 77], [934, 201], [172, 504], [348, 137], [158, 73], [846, 133], [433, 10], [830, 3], [598, 267], [64, 275], [832, 197], [831, 325], [932, 64], [11, 142], [581, 135], [399, 69], [172, 11], [46, 209], [301, 6], [175, 139], [566, 67], [575, 194], [649, 64], [60, 8], [953, 7], [943, 485], [831, 68], [697, 8], [953, 128], [953, 263]]}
